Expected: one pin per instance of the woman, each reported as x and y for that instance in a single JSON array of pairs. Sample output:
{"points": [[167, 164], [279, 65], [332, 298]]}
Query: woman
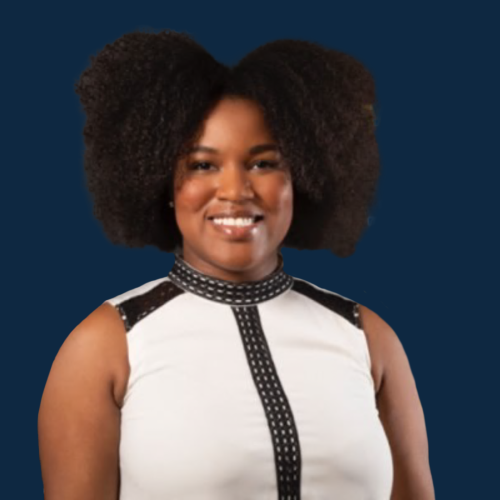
{"points": [[229, 378]]}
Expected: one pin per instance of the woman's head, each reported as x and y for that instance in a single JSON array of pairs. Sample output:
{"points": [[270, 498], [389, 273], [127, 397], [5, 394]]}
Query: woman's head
{"points": [[233, 171], [149, 98]]}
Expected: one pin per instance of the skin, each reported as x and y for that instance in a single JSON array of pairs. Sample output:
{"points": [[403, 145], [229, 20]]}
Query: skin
{"points": [[79, 416], [400, 410], [232, 178]]}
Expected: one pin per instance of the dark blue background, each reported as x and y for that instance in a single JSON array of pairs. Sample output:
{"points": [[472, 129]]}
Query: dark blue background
{"points": [[426, 264]]}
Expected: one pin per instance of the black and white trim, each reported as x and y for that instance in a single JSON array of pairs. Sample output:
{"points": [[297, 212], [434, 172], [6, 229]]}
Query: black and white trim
{"points": [[343, 306], [138, 307], [244, 298], [229, 292], [279, 414], [167, 359]]}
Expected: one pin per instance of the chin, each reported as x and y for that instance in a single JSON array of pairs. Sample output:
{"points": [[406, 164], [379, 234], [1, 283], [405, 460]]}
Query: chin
{"points": [[235, 256]]}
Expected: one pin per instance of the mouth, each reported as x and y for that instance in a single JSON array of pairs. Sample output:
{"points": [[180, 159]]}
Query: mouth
{"points": [[237, 228]]}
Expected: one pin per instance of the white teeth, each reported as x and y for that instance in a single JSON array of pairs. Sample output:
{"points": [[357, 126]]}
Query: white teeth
{"points": [[234, 222]]}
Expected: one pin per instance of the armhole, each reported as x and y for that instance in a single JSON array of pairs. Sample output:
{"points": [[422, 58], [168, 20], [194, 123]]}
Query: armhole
{"points": [[357, 317], [121, 311], [359, 324], [122, 376]]}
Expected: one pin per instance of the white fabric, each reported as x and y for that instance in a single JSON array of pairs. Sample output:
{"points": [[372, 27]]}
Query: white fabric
{"points": [[193, 426]]}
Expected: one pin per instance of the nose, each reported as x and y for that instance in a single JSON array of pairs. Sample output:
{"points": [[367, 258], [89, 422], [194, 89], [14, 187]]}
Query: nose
{"points": [[234, 184]]}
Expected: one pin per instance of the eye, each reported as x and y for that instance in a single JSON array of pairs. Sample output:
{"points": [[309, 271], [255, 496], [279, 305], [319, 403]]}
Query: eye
{"points": [[194, 166], [269, 164], [205, 166]]}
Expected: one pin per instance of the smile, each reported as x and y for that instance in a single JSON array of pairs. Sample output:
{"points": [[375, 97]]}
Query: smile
{"points": [[240, 227]]}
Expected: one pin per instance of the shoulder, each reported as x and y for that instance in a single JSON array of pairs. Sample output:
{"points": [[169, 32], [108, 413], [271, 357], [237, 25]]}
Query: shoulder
{"points": [[108, 327], [103, 334], [139, 302], [400, 409], [384, 345], [94, 352], [79, 415], [138, 291], [337, 303], [382, 342]]}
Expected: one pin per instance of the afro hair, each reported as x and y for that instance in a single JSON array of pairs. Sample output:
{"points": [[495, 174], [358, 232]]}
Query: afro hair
{"points": [[146, 94]]}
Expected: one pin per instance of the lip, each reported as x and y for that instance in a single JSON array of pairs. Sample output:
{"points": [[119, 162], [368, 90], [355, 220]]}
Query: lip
{"points": [[235, 232], [235, 214]]}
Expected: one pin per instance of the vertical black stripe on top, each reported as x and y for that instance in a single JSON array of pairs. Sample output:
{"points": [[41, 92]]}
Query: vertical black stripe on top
{"points": [[278, 412]]}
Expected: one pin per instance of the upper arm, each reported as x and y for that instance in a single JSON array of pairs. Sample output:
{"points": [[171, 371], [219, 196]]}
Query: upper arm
{"points": [[79, 417], [400, 410]]}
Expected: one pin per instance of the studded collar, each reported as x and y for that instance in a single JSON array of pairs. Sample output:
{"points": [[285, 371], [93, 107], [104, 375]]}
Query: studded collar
{"points": [[244, 293]]}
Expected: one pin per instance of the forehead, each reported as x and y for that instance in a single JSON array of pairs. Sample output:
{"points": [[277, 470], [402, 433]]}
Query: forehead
{"points": [[234, 123]]}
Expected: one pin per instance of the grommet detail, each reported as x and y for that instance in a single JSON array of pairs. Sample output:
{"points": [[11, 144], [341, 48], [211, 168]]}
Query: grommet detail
{"points": [[229, 292], [278, 412]]}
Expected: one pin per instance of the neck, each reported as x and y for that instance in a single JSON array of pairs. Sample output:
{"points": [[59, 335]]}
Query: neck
{"points": [[244, 293]]}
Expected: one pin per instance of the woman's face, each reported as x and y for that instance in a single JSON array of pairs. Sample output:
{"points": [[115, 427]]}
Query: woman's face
{"points": [[234, 170]]}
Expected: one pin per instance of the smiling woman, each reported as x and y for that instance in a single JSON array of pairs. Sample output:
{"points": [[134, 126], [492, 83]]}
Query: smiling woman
{"points": [[236, 213], [229, 378]]}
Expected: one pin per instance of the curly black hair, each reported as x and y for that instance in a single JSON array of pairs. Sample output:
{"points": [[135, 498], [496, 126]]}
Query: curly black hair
{"points": [[146, 94]]}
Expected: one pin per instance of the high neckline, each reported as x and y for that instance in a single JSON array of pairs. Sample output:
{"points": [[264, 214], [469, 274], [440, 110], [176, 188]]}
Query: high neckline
{"points": [[244, 293]]}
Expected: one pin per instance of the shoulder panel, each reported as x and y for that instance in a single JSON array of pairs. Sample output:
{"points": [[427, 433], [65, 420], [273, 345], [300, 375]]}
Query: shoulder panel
{"points": [[343, 306], [135, 308]]}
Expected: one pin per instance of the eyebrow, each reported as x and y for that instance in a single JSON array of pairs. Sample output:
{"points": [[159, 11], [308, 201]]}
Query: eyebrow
{"points": [[253, 150]]}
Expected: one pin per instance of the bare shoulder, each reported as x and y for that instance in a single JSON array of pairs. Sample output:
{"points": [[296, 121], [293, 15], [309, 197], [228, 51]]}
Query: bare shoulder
{"points": [[382, 342], [107, 325], [103, 334], [400, 409], [110, 324], [79, 415]]}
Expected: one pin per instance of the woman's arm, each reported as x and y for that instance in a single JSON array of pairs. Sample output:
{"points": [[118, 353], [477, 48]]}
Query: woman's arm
{"points": [[400, 410], [79, 416]]}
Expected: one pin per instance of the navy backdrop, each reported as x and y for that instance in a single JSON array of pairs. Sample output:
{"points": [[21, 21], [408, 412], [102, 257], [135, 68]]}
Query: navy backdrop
{"points": [[425, 264]]}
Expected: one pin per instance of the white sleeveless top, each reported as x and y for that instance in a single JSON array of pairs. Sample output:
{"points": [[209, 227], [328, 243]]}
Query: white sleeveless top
{"points": [[253, 391]]}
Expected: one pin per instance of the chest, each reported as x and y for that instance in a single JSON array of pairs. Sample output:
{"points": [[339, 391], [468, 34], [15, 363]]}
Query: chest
{"points": [[215, 398]]}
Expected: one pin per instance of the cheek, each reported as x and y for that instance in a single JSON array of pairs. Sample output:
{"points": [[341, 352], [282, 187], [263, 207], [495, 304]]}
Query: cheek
{"points": [[285, 193], [287, 196], [191, 196], [279, 195], [287, 204], [190, 200]]}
